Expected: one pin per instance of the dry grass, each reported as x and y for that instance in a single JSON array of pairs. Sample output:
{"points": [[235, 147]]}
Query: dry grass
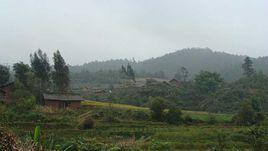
{"points": [[9, 142], [46, 109], [113, 105]]}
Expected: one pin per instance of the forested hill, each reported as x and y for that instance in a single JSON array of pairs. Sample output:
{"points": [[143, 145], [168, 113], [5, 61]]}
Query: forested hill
{"points": [[194, 59]]}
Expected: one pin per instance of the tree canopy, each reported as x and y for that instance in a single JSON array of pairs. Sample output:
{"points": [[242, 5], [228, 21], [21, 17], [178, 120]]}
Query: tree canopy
{"points": [[21, 71], [208, 81], [61, 74], [41, 67], [248, 67], [130, 72]]}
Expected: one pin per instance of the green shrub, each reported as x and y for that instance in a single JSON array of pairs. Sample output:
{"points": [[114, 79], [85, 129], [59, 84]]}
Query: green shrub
{"points": [[3, 113], [245, 116], [221, 139], [173, 116], [212, 119], [260, 117], [159, 146], [188, 120], [86, 123], [257, 138], [157, 106], [24, 105], [31, 116]]}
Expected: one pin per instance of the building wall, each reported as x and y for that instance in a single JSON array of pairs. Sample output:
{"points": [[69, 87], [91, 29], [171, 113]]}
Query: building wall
{"points": [[6, 92], [52, 103], [75, 105], [61, 104]]}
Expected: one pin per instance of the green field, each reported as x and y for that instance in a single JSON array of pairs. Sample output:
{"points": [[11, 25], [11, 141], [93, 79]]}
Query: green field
{"points": [[198, 115]]}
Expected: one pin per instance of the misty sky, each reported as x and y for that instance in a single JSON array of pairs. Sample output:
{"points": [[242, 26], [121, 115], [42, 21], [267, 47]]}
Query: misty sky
{"points": [[88, 30]]}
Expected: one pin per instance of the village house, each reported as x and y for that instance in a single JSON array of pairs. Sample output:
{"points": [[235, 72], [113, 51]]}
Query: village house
{"points": [[5, 92], [62, 101], [174, 82]]}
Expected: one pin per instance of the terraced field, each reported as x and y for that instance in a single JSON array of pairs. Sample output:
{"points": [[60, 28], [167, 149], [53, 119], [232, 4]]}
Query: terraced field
{"points": [[135, 133], [197, 115]]}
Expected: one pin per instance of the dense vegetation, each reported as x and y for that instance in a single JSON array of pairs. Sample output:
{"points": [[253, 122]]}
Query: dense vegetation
{"points": [[202, 112], [207, 92], [108, 126]]}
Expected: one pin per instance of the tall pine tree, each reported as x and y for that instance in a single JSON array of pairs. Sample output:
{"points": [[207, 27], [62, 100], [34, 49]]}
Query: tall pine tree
{"points": [[61, 74], [41, 68], [130, 72], [123, 72], [182, 74], [21, 70], [248, 67]]}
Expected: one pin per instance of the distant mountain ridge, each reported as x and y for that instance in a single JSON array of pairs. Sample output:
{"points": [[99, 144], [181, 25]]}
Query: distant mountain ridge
{"points": [[194, 59]]}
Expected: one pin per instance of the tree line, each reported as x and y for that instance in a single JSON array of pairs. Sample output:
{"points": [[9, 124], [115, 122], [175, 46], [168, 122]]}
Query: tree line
{"points": [[207, 91], [39, 76]]}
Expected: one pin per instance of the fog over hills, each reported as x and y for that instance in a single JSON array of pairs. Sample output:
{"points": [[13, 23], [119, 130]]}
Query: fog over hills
{"points": [[194, 59]]}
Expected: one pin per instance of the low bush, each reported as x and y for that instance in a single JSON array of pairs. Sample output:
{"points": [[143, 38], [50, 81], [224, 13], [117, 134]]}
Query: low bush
{"points": [[33, 117], [260, 117], [211, 119], [86, 123], [173, 116], [257, 138], [157, 105], [188, 120], [247, 116], [159, 146], [24, 105]]}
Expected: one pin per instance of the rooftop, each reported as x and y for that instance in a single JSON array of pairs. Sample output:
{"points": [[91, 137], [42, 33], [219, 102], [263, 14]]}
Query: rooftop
{"points": [[63, 97]]}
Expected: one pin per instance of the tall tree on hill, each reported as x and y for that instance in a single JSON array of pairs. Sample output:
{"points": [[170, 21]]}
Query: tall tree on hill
{"points": [[248, 67], [21, 70], [182, 74], [207, 82], [4, 74], [61, 74], [123, 72], [41, 68], [185, 74], [130, 72]]}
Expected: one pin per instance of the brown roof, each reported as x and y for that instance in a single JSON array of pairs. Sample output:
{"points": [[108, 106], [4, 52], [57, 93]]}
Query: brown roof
{"points": [[174, 82], [63, 97]]}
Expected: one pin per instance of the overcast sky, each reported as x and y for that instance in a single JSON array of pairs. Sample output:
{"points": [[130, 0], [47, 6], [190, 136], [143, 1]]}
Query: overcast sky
{"points": [[88, 30]]}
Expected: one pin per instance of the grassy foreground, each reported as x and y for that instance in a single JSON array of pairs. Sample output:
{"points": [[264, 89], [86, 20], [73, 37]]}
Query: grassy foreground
{"points": [[119, 127]]}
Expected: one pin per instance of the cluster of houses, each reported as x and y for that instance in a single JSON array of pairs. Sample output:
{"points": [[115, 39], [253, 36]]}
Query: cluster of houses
{"points": [[61, 101]]}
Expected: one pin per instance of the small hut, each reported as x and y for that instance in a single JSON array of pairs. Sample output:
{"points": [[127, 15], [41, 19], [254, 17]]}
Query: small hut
{"points": [[175, 82], [62, 101]]}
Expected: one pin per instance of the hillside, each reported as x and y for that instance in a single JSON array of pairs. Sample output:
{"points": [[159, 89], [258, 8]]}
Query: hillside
{"points": [[194, 59]]}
